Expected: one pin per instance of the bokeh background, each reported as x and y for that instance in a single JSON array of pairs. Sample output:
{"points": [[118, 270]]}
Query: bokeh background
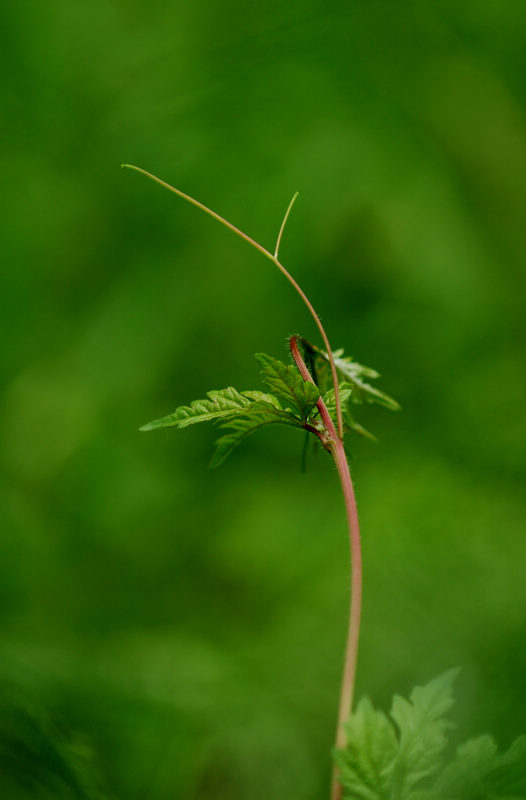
{"points": [[168, 631]]}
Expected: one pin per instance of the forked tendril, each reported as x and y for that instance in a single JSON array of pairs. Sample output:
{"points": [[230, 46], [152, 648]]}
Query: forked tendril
{"points": [[279, 265]]}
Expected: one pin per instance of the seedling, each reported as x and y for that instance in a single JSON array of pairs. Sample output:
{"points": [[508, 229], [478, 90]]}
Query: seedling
{"points": [[374, 760]]}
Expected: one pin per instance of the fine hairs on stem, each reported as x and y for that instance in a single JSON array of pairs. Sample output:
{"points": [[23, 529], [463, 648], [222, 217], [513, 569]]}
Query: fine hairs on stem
{"points": [[335, 445], [332, 441]]}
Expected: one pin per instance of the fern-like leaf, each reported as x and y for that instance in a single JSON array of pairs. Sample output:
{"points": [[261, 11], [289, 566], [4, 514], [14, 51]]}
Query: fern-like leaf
{"points": [[478, 772], [380, 764], [219, 404], [422, 727]]}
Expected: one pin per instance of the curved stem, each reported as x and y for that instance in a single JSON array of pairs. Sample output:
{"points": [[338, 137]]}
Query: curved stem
{"points": [[275, 261], [335, 445], [353, 633]]}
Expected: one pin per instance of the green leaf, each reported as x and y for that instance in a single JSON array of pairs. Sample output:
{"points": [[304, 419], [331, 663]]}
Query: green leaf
{"points": [[355, 374], [287, 384], [346, 391], [366, 763], [350, 372], [240, 427], [242, 413], [262, 397], [380, 764], [218, 405], [479, 773], [422, 728], [359, 429]]}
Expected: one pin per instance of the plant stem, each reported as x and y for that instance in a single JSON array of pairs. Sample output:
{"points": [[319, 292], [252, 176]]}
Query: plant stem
{"points": [[353, 633], [337, 450], [274, 259], [333, 442]]}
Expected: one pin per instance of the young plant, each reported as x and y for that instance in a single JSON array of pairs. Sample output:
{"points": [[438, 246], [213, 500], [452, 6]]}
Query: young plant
{"points": [[373, 759]]}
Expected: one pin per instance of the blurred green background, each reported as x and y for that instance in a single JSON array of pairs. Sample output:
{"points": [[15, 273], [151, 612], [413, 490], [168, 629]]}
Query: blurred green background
{"points": [[171, 632]]}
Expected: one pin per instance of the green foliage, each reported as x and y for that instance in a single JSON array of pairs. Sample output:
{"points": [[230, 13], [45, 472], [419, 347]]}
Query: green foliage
{"points": [[241, 426], [353, 386], [288, 385], [292, 401], [350, 373], [478, 772], [242, 413], [218, 405], [408, 148], [350, 424], [382, 761], [329, 398], [356, 373], [366, 764]]}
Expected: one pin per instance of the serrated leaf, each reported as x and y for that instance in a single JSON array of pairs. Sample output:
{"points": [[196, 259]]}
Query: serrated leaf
{"points": [[379, 763], [245, 412], [349, 371], [219, 404], [366, 763], [240, 427], [355, 373], [286, 383], [359, 429], [422, 728], [262, 397], [478, 772], [346, 391]]}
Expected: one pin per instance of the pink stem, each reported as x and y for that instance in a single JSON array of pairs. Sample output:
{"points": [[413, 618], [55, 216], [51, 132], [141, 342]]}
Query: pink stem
{"points": [[335, 445]]}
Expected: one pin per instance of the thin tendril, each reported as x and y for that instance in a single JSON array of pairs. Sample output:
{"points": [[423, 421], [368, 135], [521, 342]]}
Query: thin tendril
{"points": [[275, 261], [285, 218]]}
